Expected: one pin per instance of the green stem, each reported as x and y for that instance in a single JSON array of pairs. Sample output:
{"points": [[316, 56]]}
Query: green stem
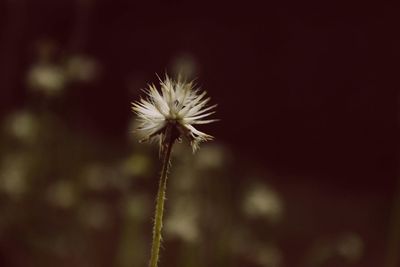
{"points": [[162, 186]]}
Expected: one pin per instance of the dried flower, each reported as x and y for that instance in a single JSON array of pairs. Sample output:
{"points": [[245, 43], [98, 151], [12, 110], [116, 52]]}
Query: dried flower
{"points": [[179, 105], [169, 116]]}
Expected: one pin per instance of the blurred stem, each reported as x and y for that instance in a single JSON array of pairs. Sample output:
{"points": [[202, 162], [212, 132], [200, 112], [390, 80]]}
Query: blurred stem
{"points": [[166, 146]]}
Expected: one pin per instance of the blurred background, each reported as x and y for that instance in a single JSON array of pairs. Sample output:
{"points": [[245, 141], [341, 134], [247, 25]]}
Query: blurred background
{"points": [[302, 171]]}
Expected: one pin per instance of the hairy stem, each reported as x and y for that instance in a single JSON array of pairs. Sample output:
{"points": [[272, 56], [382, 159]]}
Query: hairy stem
{"points": [[162, 186]]}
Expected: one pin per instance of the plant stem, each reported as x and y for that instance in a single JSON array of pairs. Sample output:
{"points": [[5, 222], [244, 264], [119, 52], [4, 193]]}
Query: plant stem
{"points": [[162, 186]]}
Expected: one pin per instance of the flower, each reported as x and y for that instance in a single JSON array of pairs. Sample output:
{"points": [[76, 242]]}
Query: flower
{"points": [[179, 106]]}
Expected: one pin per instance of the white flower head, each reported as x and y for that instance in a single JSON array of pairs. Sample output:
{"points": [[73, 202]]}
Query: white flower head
{"points": [[180, 106]]}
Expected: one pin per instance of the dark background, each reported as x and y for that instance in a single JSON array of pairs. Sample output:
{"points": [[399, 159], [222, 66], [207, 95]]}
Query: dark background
{"points": [[297, 85]]}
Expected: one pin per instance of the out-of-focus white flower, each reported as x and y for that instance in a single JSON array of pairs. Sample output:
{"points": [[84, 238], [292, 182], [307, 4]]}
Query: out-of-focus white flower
{"points": [[47, 78], [182, 222], [350, 247], [13, 175], [261, 201], [23, 125], [179, 106]]}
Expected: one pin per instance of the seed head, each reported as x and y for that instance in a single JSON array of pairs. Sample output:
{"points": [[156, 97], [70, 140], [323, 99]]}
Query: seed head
{"points": [[180, 106]]}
